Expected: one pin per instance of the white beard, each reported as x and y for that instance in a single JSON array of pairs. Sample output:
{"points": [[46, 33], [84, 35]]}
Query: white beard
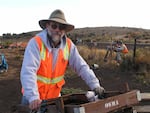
{"points": [[55, 37]]}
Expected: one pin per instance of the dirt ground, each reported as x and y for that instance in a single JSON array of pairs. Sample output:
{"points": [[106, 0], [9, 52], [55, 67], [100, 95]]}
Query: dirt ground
{"points": [[10, 82]]}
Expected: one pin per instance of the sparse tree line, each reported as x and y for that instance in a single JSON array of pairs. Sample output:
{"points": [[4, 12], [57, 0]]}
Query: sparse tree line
{"points": [[14, 35]]}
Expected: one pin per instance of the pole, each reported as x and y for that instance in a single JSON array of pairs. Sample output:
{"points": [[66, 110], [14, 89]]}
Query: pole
{"points": [[134, 51]]}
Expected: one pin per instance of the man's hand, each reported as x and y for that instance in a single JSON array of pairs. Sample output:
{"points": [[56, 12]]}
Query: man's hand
{"points": [[35, 104], [100, 92]]}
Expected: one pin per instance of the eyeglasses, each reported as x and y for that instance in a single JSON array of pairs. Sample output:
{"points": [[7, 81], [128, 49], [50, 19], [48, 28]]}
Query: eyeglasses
{"points": [[57, 25]]}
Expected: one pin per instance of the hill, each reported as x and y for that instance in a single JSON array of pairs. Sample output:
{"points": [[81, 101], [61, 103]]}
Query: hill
{"points": [[90, 33]]}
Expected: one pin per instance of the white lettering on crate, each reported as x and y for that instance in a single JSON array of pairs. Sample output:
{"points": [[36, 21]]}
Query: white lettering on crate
{"points": [[111, 104]]}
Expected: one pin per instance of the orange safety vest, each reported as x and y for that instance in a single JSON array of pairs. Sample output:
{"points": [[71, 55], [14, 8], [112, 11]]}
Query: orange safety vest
{"points": [[125, 50], [50, 81]]}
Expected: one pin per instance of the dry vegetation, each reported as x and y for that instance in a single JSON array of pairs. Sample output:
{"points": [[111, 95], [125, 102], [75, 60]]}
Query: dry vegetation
{"points": [[96, 55]]}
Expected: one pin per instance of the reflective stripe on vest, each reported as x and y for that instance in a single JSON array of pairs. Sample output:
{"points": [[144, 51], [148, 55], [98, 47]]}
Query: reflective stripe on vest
{"points": [[48, 80], [66, 52], [43, 52]]}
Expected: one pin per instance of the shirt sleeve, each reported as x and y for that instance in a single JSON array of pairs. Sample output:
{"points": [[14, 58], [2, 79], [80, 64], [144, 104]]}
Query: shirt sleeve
{"points": [[29, 68], [82, 68]]}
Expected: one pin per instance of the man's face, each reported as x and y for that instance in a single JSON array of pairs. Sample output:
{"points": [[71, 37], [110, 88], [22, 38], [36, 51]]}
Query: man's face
{"points": [[55, 30]]}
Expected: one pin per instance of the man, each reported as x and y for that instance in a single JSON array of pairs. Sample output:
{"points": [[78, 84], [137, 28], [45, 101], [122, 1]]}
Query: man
{"points": [[120, 48], [3, 64], [46, 58]]}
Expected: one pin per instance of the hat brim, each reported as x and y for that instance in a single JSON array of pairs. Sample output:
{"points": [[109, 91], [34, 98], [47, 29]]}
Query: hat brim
{"points": [[68, 28]]}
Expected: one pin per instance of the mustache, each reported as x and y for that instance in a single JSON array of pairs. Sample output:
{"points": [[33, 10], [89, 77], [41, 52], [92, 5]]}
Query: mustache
{"points": [[56, 33]]}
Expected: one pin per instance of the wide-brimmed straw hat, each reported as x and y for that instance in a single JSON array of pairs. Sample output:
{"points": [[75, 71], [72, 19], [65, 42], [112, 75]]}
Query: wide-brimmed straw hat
{"points": [[57, 16]]}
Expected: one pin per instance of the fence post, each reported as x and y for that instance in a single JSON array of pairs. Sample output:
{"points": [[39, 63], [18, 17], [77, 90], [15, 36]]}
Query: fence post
{"points": [[134, 51]]}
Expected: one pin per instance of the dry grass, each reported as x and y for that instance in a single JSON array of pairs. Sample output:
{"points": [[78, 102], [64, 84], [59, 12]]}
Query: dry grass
{"points": [[143, 56], [142, 66], [92, 55], [95, 55]]}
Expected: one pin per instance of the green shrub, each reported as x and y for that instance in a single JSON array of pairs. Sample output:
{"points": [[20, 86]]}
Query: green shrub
{"points": [[142, 62], [143, 78], [127, 63], [70, 91]]}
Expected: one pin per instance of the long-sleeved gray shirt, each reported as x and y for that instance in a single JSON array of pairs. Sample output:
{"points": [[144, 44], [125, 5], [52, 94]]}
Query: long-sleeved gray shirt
{"points": [[31, 63]]}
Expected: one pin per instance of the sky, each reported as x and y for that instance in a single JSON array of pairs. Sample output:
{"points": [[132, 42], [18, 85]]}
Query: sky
{"points": [[20, 16]]}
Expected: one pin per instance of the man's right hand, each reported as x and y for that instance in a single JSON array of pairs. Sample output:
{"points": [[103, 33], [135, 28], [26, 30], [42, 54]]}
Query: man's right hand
{"points": [[100, 92], [35, 104]]}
